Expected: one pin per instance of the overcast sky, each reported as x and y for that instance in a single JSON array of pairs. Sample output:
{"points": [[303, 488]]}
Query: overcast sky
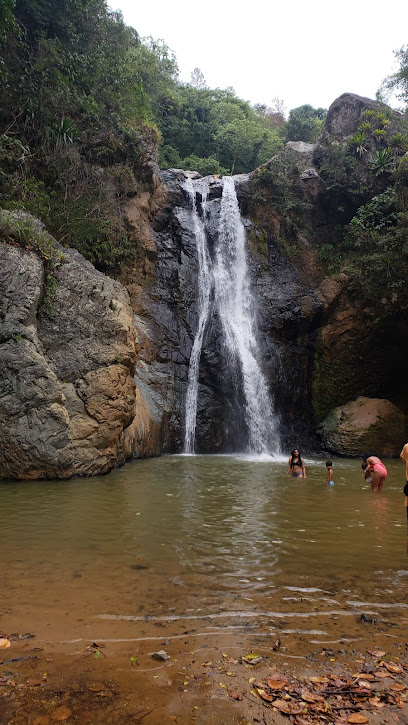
{"points": [[302, 51]]}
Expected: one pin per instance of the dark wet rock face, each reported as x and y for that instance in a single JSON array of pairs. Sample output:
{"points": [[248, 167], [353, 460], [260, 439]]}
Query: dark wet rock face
{"points": [[287, 309]]}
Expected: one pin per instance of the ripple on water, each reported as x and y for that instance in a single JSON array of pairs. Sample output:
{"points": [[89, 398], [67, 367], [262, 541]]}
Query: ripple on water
{"points": [[209, 528]]}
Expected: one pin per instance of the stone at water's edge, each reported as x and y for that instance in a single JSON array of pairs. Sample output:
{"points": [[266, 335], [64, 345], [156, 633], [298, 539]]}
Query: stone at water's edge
{"points": [[363, 424], [67, 390]]}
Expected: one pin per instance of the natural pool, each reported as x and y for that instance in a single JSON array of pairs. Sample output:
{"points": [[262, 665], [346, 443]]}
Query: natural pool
{"points": [[208, 542]]}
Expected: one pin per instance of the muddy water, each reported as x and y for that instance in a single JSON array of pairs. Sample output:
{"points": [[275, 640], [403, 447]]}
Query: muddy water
{"points": [[204, 544]]}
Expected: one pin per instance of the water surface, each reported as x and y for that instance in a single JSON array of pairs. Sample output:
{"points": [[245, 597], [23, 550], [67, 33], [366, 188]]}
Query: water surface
{"points": [[209, 541]]}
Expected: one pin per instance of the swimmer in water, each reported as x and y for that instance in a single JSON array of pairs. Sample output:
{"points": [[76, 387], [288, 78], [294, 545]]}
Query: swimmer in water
{"points": [[296, 466]]}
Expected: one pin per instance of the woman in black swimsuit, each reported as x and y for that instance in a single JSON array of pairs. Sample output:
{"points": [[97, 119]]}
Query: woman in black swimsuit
{"points": [[296, 465]]}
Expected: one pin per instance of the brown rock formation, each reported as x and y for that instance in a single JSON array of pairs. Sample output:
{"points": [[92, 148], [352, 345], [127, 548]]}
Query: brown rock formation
{"points": [[365, 424], [67, 393]]}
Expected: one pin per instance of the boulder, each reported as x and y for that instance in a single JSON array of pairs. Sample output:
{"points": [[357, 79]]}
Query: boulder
{"points": [[363, 424], [68, 399]]}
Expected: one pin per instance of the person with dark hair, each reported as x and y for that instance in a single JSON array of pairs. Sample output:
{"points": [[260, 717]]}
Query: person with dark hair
{"points": [[296, 465], [375, 468], [329, 479]]}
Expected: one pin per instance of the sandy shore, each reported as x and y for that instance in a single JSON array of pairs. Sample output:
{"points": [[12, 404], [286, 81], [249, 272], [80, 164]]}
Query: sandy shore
{"points": [[207, 680]]}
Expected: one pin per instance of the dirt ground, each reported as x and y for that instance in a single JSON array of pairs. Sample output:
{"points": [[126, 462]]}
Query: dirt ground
{"points": [[246, 678]]}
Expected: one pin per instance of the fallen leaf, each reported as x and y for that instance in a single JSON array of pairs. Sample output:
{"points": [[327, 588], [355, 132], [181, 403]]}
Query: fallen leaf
{"points": [[206, 664], [319, 680], [4, 643], [364, 683], [265, 695], [234, 694], [363, 676], [289, 708], [381, 674], [252, 659], [223, 686], [392, 667], [310, 696], [95, 686], [61, 713], [397, 687], [379, 653], [282, 706], [358, 718], [42, 720], [276, 684], [259, 683]]}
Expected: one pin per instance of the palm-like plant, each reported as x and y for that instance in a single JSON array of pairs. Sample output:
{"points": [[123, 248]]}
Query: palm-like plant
{"points": [[64, 133], [382, 162], [357, 142]]}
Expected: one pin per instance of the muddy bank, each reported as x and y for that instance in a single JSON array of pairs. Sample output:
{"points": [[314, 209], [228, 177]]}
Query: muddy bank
{"points": [[242, 677]]}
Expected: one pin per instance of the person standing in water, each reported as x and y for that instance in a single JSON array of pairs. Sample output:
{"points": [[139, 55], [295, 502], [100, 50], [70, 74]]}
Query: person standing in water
{"points": [[296, 465], [329, 479], [376, 469]]}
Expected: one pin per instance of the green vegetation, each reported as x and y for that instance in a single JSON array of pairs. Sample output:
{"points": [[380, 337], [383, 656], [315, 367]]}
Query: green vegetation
{"points": [[86, 102], [305, 124], [80, 93], [213, 131], [22, 230]]}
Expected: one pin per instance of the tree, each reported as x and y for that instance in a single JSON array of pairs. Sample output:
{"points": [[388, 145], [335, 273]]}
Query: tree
{"points": [[305, 123], [398, 82], [197, 79], [244, 144], [272, 116]]}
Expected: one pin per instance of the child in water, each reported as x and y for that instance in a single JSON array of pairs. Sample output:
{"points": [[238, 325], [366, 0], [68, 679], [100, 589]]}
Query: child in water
{"points": [[329, 479]]}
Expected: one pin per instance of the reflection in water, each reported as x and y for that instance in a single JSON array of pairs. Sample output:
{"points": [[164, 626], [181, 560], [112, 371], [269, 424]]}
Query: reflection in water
{"points": [[203, 533]]}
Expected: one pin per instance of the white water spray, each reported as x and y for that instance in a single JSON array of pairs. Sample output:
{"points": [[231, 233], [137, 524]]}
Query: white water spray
{"points": [[237, 313], [204, 291], [229, 277]]}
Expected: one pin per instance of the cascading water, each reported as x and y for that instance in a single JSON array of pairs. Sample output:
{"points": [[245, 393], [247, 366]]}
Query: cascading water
{"points": [[204, 291], [237, 314], [228, 276]]}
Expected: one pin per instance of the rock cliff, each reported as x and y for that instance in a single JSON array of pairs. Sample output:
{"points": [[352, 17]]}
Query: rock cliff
{"points": [[95, 371], [67, 393]]}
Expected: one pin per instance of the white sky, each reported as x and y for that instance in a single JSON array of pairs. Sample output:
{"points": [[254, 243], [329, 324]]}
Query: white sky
{"points": [[302, 51]]}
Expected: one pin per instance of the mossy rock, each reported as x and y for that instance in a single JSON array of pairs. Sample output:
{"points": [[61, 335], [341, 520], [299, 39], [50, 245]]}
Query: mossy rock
{"points": [[365, 424]]}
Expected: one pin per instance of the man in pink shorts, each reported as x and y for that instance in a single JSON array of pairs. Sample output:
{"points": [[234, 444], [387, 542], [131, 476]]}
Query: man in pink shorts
{"points": [[377, 469]]}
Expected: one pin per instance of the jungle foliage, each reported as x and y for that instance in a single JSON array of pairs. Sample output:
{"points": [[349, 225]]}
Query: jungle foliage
{"points": [[85, 102], [79, 95], [213, 131]]}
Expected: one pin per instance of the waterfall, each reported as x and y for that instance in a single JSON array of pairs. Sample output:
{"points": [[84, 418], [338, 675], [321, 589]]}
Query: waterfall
{"points": [[228, 275], [204, 290], [237, 314]]}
